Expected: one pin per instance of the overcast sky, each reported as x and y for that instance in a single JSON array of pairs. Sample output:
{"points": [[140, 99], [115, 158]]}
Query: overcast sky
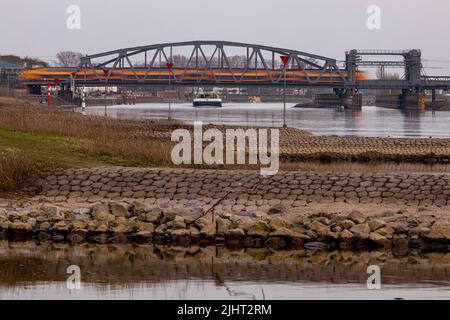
{"points": [[325, 27]]}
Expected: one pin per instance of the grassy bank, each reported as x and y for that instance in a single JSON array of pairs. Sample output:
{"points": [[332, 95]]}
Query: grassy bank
{"points": [[48, 138]]}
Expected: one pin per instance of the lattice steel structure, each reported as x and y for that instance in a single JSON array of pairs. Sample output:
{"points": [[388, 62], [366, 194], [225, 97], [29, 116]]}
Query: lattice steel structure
{"points": [[261, 67], [209, 63]]}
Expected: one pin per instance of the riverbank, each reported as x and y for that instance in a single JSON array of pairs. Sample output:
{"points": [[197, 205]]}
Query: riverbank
{"points": [[237, 208], [81, 195]]}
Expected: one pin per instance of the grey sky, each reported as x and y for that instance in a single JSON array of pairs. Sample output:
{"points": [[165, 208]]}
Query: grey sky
{"points": [[326, 27]]}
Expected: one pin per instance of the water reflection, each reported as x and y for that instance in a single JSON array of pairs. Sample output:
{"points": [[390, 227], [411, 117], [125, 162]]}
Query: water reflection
{"points": [[29, 270], [370, 121]]}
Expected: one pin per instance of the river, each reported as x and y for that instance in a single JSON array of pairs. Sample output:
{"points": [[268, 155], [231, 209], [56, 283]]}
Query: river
{"points": [[39, 271], [369, 121]]}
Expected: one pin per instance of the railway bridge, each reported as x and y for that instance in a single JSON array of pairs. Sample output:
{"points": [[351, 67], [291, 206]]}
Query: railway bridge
{"points": [[213, 63]]}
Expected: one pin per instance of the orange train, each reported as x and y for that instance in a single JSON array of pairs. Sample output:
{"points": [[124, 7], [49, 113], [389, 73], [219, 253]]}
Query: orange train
{"points": [[222, 76]]}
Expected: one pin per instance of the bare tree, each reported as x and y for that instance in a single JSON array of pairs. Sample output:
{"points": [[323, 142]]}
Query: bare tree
{"points": [[68, 59]]}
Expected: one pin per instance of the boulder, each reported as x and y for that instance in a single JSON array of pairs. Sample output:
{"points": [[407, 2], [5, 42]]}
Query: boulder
{"points": [[260, 229], [118, 210], [361, 231], [235, 234], [347, 224], [222, 226], [177, 223], [101, 212], [319, 228], [376, 224], [356, 217], [440, 231]]}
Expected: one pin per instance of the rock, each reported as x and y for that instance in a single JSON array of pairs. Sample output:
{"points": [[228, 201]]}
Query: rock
{"points": [[53, 212], [361, 231], [21, 226], [380, 240], [141, 236], [203, 222], [356, 217], [101, 212], [346, 236], [235, 234], [138, 207], [319, 228], [191, 212], [376, 224], [275, 243], [121, 228], [208, 231], [102, 227], [177, 223], [32, 221], [118, 210], [428, 219], [154, 216], [399, 227], [180, 232], [146, 227], [260, 229], [336, 228], [194, 232], [45, 226], [300, 219], [60, 226], [171, 213], [278, 222], [161, 229], [440, 231], [347, 224], [281, 232], [386, 231], [79, 225], [276, 209], [222, 226]]}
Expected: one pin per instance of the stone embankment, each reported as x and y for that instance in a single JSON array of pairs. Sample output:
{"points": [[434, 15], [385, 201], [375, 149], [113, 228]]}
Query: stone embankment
{"points": [[299, 146], [242, 189], [183, 225], [239, 208]]}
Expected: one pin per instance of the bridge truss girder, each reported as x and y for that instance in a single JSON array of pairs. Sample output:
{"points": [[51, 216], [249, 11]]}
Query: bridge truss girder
{"points": [[156, 57]]}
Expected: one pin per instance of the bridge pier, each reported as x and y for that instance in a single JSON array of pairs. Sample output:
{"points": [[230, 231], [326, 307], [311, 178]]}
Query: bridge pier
{"points": [[412, 101], [348, 98]]}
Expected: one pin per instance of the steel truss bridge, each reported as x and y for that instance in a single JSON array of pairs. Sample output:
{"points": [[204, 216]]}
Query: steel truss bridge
{"points": [[211, 63]]}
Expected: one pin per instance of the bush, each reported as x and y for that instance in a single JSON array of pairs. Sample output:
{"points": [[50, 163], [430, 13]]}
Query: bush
{"points": [[15, 171]]}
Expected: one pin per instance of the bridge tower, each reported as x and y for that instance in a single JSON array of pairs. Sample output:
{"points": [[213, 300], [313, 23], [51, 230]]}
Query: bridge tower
{"points": [[413, 66]]}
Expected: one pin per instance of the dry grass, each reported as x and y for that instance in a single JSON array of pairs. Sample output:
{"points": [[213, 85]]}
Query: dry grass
{"points": [[97, 135], [15, 171]]}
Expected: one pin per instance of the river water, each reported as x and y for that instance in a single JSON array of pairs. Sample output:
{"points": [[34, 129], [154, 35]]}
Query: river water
{"points": [[369, 121], [32, 271]]}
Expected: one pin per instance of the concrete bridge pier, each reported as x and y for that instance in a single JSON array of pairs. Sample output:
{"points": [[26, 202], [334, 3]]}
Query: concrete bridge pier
{"points": [[412, 101], [350, 99]]}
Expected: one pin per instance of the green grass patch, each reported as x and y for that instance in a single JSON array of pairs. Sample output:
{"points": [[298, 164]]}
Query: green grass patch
{"points": [[52, 151]]}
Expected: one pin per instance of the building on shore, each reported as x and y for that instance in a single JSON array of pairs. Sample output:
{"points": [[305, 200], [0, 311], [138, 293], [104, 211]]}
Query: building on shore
{"points": [[9, 73]]}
